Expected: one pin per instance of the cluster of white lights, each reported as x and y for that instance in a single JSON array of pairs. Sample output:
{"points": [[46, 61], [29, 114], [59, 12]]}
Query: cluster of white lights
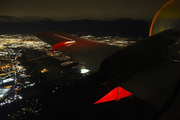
{"points": [[3, 91], [83, 71], [11, 99], [8, 80]]}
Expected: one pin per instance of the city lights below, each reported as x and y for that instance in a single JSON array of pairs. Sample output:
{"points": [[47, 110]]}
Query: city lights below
{"points": [[3, 91], [44, 70], [8, 80], [25, 61], [83, 71]]}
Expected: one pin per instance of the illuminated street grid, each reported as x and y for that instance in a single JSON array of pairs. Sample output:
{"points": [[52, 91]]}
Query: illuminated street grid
{"points": [[20, 52]]}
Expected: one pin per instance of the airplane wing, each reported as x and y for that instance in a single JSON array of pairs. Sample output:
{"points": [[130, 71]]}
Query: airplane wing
{"points": [[87, 52], [148, 69]]}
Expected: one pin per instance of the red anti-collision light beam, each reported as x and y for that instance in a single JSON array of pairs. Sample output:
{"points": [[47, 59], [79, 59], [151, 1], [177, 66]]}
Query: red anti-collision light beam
{"points": [[115, 94]]}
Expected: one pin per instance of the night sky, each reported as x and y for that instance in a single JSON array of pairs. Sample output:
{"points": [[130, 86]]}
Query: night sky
{"points": [[97, 17]]}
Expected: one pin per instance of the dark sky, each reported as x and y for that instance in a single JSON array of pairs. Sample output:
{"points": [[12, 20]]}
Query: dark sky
{"points": [[20, 11]]}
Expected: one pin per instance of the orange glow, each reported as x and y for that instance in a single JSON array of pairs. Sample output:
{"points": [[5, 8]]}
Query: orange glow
{"points": [[115, 94], [8, 86], [150, 30]]}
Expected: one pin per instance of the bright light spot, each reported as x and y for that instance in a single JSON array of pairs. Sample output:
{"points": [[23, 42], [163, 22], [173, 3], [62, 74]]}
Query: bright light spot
{"points": [[44, 70], [3, 91], [8, 80], [20, 97], [31, 84], [84, 71]]}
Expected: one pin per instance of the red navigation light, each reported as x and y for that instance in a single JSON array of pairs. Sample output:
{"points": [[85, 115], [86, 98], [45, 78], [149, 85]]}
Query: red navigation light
{"points": [[115, 94], [64, 44]]}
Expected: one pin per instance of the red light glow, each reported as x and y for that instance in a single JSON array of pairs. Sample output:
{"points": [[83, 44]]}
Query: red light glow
{"points": [[64, 44], [115, 94]]}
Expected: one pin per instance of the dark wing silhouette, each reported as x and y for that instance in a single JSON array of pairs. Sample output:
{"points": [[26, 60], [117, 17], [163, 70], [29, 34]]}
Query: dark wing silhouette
{"points": [[148, 69]]}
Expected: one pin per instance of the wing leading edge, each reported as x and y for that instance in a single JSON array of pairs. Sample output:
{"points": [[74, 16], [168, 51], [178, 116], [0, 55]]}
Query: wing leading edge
{"points": [[87, 52]]}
